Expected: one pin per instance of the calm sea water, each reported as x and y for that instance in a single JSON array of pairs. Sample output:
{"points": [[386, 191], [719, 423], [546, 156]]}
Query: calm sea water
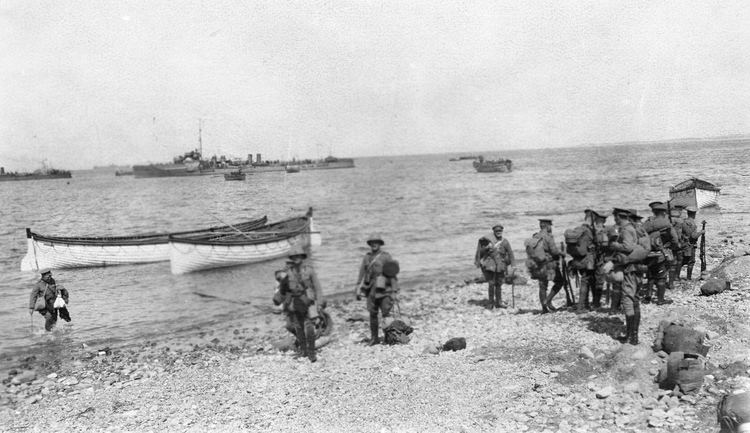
{"points": [[429, 210]]}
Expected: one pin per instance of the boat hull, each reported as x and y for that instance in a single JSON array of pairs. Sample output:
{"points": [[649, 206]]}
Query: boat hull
{"points": [[197, 254], [699, 198], [168, 170], [695, 192], [60, 252], [10, 177], [59, 255], [189, 257]]}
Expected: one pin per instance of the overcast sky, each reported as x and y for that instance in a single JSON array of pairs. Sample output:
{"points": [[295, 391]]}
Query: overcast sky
{"points": [[95, 82]]}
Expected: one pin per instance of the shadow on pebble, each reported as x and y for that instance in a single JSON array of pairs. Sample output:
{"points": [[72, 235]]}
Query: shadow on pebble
{"points": [[611, 326]]}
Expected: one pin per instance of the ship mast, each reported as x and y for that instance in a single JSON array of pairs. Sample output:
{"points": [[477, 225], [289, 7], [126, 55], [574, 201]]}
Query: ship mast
{"points": [[200, 138]]}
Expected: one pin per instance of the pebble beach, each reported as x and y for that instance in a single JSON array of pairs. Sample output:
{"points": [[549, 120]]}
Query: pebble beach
{"points": [[520, 371]]}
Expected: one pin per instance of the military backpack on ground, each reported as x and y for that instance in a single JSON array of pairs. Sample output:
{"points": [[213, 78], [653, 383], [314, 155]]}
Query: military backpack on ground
{"points": [[576, 242]]}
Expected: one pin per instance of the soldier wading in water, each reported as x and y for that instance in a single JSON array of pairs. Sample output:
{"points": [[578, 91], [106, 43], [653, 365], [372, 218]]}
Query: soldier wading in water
{"points": [[300, 295], [379, 289], [44, 299], [494, 257]]}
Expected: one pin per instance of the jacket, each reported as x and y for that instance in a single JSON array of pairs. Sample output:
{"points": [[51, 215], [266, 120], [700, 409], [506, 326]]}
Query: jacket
{"points": [[496, 255], [302, 281], [626, 241], [49, 291], [372, 267]]}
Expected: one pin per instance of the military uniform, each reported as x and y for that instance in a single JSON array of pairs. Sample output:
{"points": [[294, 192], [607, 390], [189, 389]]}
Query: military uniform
{"points": [[690, 237], [661, 231], [301, 293], [548, 270], [677, 246], [494, 256], [48, 290], [626, 241], [588, 267], [379, 289]]}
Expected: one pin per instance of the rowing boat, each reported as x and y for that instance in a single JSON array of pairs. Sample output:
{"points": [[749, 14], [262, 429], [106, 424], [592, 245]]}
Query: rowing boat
{"points": [[57, 252], [199, 252], [695, 192]]}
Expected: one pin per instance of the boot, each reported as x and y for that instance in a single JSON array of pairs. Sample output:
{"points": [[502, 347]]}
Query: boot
{"points": [[374, 331], [647, 290], [543, 296], [689, 272], [624, 336], [596, 295], [311, 347], [636, 322], [550, 296], [661, 288], [499, 298], [583, 296]]}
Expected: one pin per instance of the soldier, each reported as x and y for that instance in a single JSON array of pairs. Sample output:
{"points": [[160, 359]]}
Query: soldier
{"points": [[642, 269], [678, 225], [691, 234], [301, 294], [379, 289], [494, 257], [624, 244], [49, 290], [585, 249], [547, 269], [662, 236]]}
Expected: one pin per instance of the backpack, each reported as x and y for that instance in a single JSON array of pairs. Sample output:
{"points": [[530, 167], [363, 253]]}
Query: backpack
{"points": [[535, 249], [576, 244]]}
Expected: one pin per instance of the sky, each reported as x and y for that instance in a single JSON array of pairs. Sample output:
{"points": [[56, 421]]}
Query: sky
{"points": [[95, 82]]}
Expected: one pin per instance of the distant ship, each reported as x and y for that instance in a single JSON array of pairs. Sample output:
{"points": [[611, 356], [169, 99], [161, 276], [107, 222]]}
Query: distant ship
{"points": [[46, 173], [497, 166], [189, 164], [328, 163]]}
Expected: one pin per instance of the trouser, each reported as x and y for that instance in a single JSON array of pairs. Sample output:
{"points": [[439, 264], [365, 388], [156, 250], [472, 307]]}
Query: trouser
{"points": [[674, 268], [382, 303], [657, 276], [591, 281], [494, 286], [689, 261], [544, 298], [615, 299], [304, 331], [50, 316]]}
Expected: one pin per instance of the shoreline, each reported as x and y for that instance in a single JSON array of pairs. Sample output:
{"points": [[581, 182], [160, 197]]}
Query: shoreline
{"points": [[520, 371]]}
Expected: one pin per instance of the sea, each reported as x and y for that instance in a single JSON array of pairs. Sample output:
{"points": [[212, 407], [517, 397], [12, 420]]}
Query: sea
{"points": [[429, 210]]}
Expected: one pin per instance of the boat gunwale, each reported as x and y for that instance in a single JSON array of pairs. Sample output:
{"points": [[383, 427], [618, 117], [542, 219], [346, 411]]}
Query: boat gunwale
{"points": [[281, 235], [694, 183], [136, 240]]}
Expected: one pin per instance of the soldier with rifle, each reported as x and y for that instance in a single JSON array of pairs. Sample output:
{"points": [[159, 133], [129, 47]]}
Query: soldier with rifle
{"points": [[584, 244], [662, 236], [674, 265], [560, 281], [703, 249]]}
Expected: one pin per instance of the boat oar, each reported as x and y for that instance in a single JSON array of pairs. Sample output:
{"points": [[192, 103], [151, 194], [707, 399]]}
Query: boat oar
{"points": [[230, 226], [234, 301]]}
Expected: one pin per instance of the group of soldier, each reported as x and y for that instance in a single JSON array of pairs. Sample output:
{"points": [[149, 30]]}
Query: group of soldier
{"points": [[631, 257], [299, 293]]}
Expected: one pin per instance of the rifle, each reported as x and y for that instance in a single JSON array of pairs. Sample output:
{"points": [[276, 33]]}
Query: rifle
{"points": [[569, 297], [703, 248]]}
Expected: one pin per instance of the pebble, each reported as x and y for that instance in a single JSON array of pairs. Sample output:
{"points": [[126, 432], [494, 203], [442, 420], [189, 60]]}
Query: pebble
{"points": [[23, 377], [586, 353], [605, 392]]}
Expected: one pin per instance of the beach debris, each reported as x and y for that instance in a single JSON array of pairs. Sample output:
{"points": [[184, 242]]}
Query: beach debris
{"points": [[397, 332], [454, 344], [733, 412], [605, 392], [683, 371], [674, 337], [714, 286]]}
